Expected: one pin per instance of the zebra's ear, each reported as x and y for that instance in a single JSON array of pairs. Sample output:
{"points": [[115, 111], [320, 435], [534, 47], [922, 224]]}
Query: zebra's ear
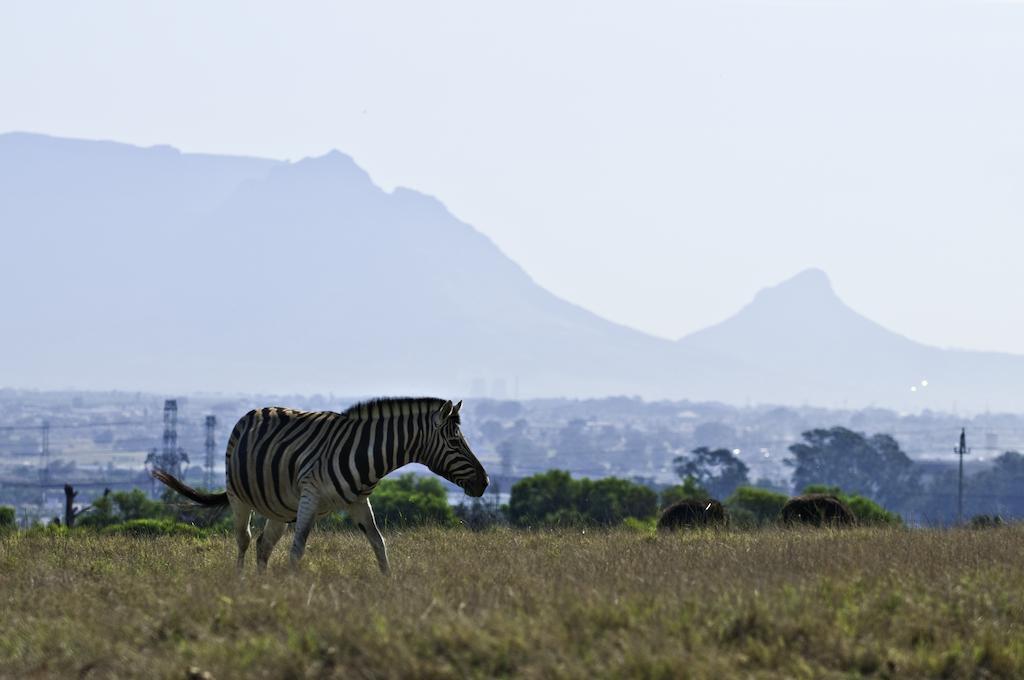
{"points": [[443, 414], [455, 411]]}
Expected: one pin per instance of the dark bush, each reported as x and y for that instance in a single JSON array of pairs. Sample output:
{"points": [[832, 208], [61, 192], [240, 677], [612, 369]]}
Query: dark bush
{"points": [[818, 510], [8, 520], [986, 521], [865, 510], [692, 512], [478, 515]]}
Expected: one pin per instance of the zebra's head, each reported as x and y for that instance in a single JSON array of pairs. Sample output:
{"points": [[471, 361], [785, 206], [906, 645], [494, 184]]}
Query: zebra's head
{"points": [[454, 460]]}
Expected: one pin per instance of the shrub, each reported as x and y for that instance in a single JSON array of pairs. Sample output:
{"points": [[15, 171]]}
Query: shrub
{"points": [[51, 529], [864, 509], [122, 506], [645, 526], [536, 497], [750, 506], [8, 519], [566, 517], [554, 498], [611, 500], [479, 514], [986, 521], [411, 500]]}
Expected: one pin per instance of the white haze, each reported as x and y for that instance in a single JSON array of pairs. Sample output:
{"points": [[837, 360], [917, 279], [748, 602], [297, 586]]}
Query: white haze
{"points": [[656, 163]]}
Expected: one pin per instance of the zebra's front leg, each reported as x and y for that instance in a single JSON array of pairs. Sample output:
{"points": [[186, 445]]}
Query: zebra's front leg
{"points": [[308, 501], [362, 514]]}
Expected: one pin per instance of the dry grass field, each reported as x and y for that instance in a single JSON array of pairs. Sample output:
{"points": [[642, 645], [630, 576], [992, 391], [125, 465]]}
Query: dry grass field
{"points": [[734, 604]]}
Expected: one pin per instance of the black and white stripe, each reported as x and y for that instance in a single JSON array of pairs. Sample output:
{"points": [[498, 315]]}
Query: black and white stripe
{"points": [[294, 466]]}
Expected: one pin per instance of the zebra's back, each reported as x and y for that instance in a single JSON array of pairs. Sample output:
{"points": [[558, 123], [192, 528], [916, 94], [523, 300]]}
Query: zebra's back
{"points": [[270, 451]]}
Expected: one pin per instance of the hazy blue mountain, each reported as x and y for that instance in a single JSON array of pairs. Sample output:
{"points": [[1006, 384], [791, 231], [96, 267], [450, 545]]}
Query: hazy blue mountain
{"points": [[831, 354], [146, 268], [151, 269]]}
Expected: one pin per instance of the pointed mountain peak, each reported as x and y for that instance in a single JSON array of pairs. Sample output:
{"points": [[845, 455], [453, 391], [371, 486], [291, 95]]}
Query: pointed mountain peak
{"points": [[808, 287], [812, 276], [779, 309]]}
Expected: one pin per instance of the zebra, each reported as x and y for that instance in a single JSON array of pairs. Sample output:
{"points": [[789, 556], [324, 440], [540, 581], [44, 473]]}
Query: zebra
{"points": [[296, 466]]}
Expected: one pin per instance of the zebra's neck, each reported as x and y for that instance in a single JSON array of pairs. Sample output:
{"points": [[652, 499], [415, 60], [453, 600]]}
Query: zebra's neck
{"points": [[384, 438]]}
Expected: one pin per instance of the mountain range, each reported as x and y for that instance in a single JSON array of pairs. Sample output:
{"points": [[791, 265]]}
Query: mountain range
{"points": [[149, 269]]}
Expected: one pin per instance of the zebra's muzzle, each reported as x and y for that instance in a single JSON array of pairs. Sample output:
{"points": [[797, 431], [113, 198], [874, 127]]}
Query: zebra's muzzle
{"points": [[476, 487]]}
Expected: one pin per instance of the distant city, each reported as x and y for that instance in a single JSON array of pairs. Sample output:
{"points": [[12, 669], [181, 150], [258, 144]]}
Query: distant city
{"points": [[100, 440]]}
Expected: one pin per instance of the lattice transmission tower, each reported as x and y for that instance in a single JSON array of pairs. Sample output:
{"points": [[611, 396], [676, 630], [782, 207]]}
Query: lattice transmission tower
{"points": [[170, 456], [211, 425]]}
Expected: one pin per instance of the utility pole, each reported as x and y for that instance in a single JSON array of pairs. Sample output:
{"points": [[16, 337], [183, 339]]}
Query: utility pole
{"points": [[44, 452], [961, 450], [211, 424], [44, 459]]}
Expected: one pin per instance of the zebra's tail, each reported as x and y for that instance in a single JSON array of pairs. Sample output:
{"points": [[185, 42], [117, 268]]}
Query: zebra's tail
{"points": [[206, 499]]}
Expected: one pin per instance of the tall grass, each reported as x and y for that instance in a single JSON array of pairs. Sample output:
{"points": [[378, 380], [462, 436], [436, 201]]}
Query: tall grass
{"points": [[772, 603]]}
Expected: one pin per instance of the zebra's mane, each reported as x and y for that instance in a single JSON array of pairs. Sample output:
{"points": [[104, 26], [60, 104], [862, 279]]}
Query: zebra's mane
{"points": [[393, 406]]}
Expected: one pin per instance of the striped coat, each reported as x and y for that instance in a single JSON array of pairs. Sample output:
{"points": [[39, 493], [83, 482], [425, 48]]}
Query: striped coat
{"points": [[293, 466]]}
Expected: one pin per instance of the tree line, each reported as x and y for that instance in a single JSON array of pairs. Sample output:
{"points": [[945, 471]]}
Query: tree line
{"points": [[876, 468], [879, 482]]}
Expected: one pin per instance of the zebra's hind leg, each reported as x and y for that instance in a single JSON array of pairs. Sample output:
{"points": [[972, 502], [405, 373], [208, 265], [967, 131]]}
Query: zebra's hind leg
{"points": [[308, 501], [265, 543], [243, 534], [362, 514]]}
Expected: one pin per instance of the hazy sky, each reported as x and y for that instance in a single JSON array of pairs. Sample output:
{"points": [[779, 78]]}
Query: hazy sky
{"points": [[657, 163]]}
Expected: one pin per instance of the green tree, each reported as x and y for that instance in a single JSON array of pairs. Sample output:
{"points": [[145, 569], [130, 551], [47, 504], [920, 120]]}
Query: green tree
{"points": [[873, 467], [123, 506], [717, 470], [995, 491], [411, 500], [611, 500], [536, 497], [555, 498], [753, 506]]}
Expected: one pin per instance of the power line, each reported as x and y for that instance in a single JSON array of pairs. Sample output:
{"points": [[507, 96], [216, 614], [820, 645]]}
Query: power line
{"points": [[44, 451], [76, 426]]}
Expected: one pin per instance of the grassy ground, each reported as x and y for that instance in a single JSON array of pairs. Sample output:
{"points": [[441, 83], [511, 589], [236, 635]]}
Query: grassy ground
{"points": [[814, 604]]}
